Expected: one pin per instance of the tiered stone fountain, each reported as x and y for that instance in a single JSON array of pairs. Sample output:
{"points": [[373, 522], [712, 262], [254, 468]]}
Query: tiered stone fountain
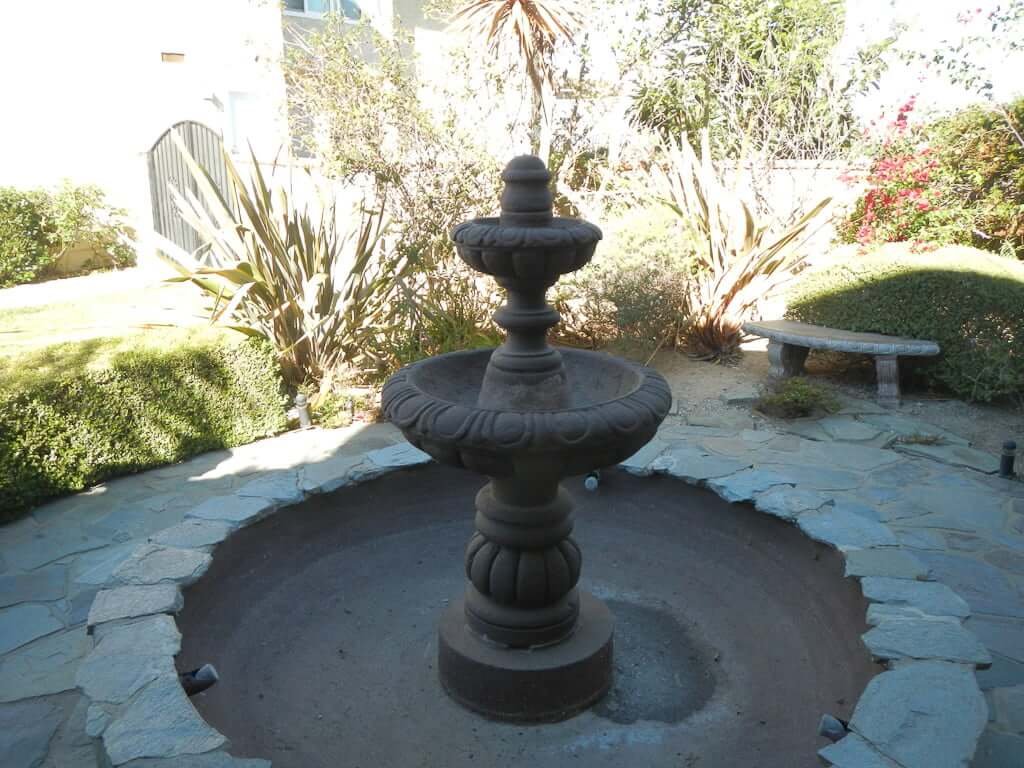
{"points": [[525, 643]]}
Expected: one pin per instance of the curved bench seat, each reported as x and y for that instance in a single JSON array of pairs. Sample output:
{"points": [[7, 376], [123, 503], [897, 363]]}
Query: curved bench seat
{"points": [[789, 342]]}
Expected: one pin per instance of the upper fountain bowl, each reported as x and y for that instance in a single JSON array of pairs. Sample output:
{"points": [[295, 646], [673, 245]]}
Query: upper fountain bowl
{"points": [[615, 408]]}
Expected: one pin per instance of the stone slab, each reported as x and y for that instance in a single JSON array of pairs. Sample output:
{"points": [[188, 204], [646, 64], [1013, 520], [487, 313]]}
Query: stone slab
{"points": [[907, 426], [397, 456], [44, 667], [694, 466], [860, 458], [959, 509], [892, 562], [745, 485], [925, 713], [1004, 636], [743, 394], [279, 487], [154, 635], [26, 728], [21, 624], [50, 543], [929, 597], [234, 509], [845, 530], [985, 588], [161, 722], [639, 463], [954, 455], [131, 602], [926, 638], [330, 474], [43, 585], [97, 568], [848, 429], [817, 477], [192, 534], [114, 680], [209, 760], [1009, 708], [788, 503], [999, 750], [155, 564], [854, 752]]}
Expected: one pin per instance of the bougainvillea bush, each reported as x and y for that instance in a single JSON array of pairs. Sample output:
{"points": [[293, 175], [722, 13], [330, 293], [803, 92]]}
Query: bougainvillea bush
{"points": [[955, 181]]}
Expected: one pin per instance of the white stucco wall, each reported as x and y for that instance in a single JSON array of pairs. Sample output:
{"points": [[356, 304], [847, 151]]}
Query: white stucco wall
{"points": [[86, 94]]}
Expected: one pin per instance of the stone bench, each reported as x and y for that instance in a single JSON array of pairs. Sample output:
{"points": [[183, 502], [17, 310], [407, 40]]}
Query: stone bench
{"points": [[790, 341]]}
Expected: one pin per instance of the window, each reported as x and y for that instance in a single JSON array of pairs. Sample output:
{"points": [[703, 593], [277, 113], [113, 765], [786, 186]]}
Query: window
{"points": [[347, 8]]}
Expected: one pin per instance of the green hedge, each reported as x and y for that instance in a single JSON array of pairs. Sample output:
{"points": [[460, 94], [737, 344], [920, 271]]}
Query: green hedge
{"points": [[145, 409], [24, 237], [969, 301]]}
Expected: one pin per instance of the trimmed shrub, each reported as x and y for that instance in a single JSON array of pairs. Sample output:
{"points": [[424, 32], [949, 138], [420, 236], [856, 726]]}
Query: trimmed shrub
{"points": [[970, 302], [145, 409], [24, 237]]}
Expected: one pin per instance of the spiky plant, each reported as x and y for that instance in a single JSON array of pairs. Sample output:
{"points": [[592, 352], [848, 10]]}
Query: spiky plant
{"points": [[324, 298], [738, 261]]}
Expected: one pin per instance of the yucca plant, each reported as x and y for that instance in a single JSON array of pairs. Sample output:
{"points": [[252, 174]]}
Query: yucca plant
{"points": [[324, 298], [738, 261]]}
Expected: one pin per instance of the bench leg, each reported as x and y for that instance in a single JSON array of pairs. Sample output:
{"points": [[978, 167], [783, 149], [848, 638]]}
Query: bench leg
{"points": [[887, 371], [786, 359]]}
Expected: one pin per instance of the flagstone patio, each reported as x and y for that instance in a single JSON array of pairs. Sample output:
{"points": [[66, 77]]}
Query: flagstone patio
{"points": [[936, 538]]}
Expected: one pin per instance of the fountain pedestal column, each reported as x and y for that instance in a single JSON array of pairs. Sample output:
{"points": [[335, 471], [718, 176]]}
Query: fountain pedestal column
{"points": [[525, 643]]}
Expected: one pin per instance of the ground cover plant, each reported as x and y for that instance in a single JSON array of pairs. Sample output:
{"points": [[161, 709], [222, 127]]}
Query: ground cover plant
{"points": [[797, 398]]}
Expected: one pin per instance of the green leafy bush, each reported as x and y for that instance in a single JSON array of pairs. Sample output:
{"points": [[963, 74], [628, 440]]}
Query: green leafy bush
{"points": [[636, 291], [969, 301], [37, 226], [24, 237], [797, 397], [956, 181], [146, 408]]}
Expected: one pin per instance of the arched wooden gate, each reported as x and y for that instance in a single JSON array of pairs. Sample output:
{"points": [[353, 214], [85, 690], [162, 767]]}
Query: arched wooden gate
{"points": [[167, 166]]}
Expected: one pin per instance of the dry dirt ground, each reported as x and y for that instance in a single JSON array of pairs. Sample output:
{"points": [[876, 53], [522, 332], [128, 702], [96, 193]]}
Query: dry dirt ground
{"points": [[698, 388]]}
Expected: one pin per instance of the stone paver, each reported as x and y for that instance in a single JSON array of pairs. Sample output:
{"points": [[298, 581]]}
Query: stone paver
{"points": [[120, 554], [926, 713]]}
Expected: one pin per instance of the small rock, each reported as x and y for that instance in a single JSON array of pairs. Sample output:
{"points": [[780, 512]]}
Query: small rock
{"points": [[743, 394], [131, 602]]}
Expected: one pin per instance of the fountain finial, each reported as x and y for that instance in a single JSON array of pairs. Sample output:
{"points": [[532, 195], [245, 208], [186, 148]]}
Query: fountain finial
{"points": [[526, 200]]}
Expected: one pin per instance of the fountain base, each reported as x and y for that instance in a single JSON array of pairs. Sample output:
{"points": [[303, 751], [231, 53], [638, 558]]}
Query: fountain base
{"points": [[546, 684]]}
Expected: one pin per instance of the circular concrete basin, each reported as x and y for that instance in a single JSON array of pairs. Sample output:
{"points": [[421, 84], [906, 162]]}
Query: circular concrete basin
{"points": [[734, 633]]}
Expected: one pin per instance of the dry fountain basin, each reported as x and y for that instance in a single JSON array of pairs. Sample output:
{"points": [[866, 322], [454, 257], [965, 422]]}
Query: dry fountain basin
{"points": [[701, 635]]}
